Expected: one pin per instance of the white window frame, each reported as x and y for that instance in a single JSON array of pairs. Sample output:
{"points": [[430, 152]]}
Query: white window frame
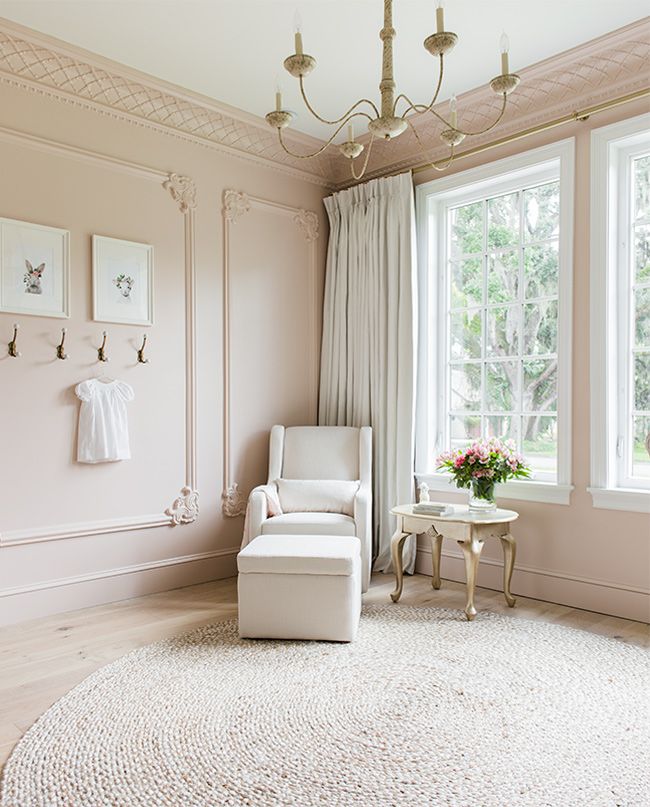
{"points": [[432, 200], [612, 147]]}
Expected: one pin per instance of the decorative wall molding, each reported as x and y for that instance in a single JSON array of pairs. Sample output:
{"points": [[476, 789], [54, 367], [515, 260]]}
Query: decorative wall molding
{"points": [[182, 190], [235, 205], [307, 220], [184, 508], [604, 68], [57, 69]]}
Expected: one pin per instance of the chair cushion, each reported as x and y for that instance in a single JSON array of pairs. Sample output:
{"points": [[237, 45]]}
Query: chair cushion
{"points": [[317, 496], [309, 524], [320, 452], [300, 554]]}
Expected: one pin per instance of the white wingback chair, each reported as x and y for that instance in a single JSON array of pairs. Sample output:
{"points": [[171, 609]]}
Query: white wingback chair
{"points": [[320, 453]]}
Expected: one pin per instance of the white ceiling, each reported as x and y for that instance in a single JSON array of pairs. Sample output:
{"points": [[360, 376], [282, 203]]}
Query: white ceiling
{"points": [[232, 50]]}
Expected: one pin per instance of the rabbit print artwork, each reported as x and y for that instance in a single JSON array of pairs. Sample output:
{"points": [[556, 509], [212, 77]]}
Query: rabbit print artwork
{"points": [[32, 278], [125, 285]]}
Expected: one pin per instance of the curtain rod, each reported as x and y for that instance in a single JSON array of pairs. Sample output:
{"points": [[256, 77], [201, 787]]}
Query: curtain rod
{"points": [[579, 115]]}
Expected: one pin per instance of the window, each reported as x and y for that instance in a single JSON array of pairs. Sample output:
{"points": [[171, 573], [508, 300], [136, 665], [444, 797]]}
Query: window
{"points": [[620, 292], [497, 265]]}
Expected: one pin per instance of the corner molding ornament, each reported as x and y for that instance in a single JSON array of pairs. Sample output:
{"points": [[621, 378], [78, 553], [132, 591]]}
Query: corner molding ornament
{"points": [[235, 204], [307, 220], [182, 190], [233, 501], [185, 508]]}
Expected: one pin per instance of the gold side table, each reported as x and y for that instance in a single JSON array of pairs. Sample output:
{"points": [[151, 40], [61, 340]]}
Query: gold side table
{"points": [[470, 530]]}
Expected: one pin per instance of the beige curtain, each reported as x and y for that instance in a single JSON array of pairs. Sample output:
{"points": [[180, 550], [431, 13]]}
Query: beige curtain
{"points": [[369, 337]]}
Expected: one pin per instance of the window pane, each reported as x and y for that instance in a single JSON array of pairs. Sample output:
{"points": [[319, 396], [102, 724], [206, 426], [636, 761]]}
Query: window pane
{"points": [[503, 277], [642, 188], [542, 212], [642, 382], [503, 221], [642, 252], [466, 282], [641, 448], [501, 386], [541, 270], [466, 329], [505, 427], [466, 387], [466, 229], [540, 385], [642, 317], [503, 331], [539, 442], [464, 429], [540, 327]]}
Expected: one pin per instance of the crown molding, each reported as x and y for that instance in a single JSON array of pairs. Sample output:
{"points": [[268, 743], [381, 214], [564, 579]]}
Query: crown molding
{"points": [[596, 71], [56, 69]]}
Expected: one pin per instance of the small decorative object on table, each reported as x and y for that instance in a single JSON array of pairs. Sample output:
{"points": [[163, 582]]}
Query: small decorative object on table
{"points": [[480, 466]]}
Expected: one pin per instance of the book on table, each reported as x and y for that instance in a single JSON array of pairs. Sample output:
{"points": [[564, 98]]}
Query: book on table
{"points": [[433, 509]]}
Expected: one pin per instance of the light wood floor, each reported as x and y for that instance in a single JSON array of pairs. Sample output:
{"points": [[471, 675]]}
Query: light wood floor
{"points": [[42, 660]]}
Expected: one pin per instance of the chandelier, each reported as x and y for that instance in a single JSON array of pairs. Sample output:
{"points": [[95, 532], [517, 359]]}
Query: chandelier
{"points": [[391, 122]]}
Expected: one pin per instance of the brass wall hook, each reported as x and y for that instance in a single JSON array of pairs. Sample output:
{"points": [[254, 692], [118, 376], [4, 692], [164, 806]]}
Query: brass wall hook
{"points": [[141, 357], [101, 352], [60, 352], [13, 346]]}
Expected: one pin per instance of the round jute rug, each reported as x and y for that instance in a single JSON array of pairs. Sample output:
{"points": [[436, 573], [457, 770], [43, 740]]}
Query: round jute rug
{"points": [[423, 709]]}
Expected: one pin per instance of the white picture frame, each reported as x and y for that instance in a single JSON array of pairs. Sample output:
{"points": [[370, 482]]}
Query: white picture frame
{"points": [[34, 269], [122, 281]]}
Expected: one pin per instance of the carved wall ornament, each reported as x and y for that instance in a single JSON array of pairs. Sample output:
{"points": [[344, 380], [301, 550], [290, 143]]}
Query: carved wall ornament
{"points": [[235, 204], [182, 190], [233, 501], [307, 220], [185, 508]]}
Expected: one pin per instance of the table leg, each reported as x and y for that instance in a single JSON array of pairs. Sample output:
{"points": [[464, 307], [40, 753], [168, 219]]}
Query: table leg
{"points": [[509, 552], [472, 552], [436, 548], [396, 547]]}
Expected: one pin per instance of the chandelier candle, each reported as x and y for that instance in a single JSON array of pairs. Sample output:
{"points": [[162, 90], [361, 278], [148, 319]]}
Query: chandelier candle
{"points": [[395, 113]]}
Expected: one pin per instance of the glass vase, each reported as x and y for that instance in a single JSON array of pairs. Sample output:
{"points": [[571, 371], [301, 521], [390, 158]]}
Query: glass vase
{"points": [[481, 496]]}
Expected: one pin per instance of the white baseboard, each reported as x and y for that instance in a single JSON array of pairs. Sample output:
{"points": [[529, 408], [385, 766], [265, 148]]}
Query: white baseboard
{"points": [[601, 596], [82, 591]]}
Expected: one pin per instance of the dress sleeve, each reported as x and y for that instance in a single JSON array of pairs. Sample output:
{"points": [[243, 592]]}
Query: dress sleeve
{"points": [[84, 391], [125, 391]]}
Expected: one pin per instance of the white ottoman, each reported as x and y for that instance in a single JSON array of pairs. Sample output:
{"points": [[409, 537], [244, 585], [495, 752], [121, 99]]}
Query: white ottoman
{"points": [[300, 587]]}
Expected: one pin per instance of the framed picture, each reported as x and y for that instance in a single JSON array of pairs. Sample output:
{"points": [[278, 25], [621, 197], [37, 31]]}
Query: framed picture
{"points": [[122, 281], [34, 269]]}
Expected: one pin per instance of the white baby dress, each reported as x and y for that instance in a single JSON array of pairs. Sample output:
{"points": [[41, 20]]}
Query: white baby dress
{"points": [[103, 423]]}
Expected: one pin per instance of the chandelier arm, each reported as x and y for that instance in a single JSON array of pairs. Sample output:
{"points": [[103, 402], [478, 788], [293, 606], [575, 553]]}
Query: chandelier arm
{"points": [[326, 144], [478, 131], [420, 108], [432, 163], [343, 117], [365, 163]]}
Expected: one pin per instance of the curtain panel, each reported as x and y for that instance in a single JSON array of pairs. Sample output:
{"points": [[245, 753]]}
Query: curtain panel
{"points": [[369, 349]]}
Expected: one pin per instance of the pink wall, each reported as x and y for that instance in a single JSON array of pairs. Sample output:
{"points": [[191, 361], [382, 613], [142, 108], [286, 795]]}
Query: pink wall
{"points": [[576, 554], [275, 283]]}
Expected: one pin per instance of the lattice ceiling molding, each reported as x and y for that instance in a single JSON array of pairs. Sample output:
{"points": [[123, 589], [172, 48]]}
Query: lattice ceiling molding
{"points": [[47, 65], [611, 66]]}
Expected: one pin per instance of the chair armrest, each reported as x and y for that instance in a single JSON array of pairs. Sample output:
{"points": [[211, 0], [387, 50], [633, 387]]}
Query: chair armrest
{"points": [[256, 514], [363, 522]]}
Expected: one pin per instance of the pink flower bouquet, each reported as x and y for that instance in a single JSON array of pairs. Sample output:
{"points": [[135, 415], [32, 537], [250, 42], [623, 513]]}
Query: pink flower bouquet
{"points": [[481, 465]]}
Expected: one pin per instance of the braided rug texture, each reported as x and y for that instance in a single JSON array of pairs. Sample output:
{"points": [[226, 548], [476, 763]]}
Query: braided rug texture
{"points": [[423, 709]]}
